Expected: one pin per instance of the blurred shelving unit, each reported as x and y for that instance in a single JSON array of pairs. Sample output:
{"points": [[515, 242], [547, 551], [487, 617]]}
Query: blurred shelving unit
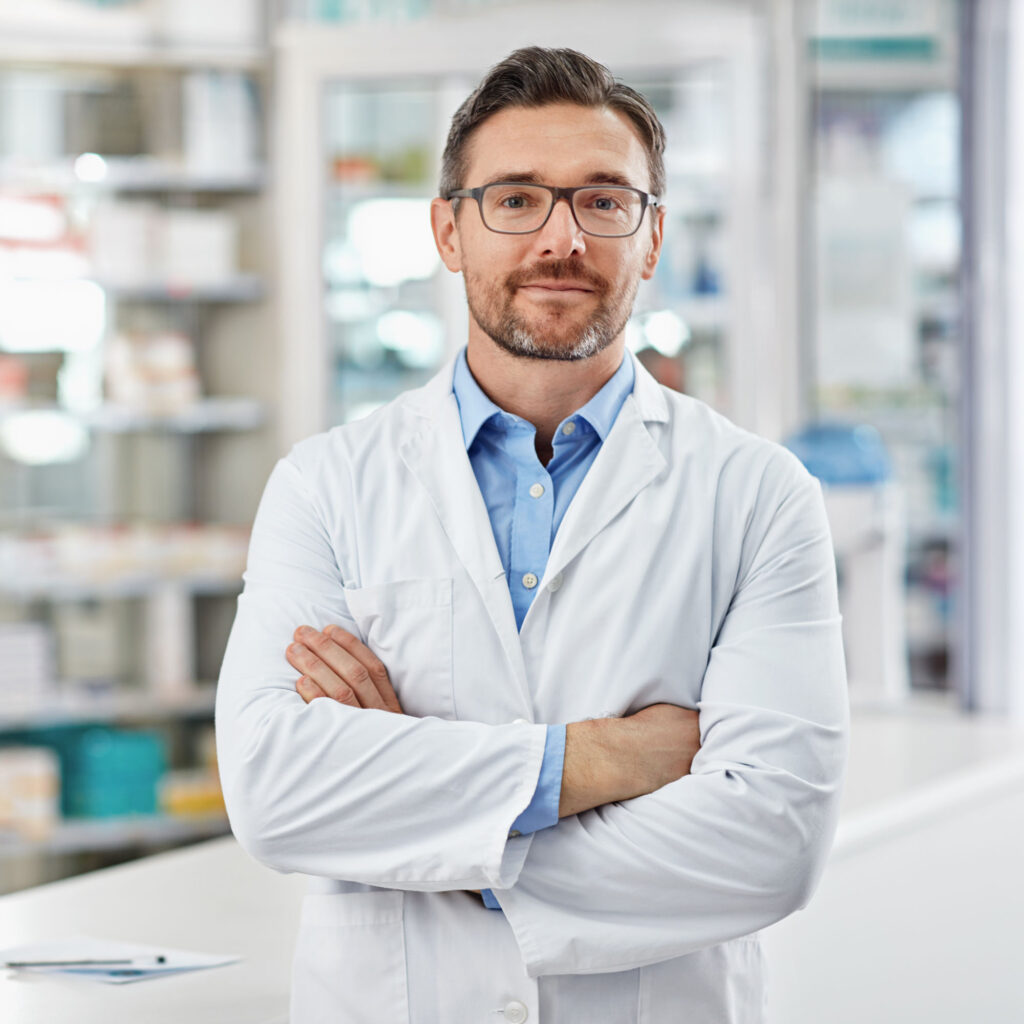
{"points": [[886, 256], [136, 375]]}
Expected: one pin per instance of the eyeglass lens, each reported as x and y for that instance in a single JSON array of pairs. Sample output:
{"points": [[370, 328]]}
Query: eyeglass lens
{"points": [[606, 210]]}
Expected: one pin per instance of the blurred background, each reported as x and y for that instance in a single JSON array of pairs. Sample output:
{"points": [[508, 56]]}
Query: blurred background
{"points": [[214, 241]]}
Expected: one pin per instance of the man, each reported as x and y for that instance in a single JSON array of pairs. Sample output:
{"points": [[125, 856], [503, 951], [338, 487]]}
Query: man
{"points": [[515, 589]]}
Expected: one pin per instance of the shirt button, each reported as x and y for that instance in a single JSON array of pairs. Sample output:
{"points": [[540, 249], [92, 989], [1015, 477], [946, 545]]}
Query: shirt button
{"points": [[568, 428], [529, 581], [555, 583], [516, 1012], [514, 834], [536, 490]]}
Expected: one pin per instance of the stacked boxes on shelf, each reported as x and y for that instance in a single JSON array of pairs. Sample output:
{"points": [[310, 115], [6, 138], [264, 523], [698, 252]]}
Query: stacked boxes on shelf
{"points": [[105, 772]]}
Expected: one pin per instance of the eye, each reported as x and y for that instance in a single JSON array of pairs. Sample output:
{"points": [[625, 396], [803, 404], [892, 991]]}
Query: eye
{"points": [[514, 201], [605, 203]]}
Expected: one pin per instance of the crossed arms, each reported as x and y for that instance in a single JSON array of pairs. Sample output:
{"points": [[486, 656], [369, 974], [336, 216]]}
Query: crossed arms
{"points": [[606, 759]]}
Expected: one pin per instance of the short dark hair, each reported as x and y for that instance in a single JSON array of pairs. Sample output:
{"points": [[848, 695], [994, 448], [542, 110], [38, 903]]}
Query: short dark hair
{"points": [[534, 77]]}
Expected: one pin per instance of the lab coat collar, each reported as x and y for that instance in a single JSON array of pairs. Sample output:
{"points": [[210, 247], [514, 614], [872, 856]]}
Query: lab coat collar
{"points": [[629, 459]]}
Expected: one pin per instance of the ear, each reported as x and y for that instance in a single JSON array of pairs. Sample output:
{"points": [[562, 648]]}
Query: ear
{"points": [[654, 251], [446, 233]]}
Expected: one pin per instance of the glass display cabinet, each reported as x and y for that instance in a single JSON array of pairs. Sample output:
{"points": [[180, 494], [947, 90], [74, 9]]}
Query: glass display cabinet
{"points": [[363, 110]]}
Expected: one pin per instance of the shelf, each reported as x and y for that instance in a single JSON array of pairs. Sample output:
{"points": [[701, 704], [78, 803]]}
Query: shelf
{"points": [[85, 835], [205, 416], [241, 288], [128, 175], [140, 585], [18, 46], [67, 708]]}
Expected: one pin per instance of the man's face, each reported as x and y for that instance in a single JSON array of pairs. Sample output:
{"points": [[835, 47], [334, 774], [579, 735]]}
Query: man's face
{"points": [[555, 293]]}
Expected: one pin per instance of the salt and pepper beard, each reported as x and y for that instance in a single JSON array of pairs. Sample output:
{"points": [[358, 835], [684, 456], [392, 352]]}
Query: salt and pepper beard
{"points": [[509, 330]]}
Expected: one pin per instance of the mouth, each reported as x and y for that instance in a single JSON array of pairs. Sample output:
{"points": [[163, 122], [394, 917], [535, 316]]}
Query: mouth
{"points": [[557, 287]]}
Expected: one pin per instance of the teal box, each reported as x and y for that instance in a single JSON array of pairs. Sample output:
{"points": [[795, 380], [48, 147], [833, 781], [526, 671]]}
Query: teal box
{"points": [[105, 772], [113, 773]]}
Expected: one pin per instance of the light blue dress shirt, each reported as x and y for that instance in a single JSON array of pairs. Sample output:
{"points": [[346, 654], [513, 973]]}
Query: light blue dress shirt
{"points": [[526, 502]]}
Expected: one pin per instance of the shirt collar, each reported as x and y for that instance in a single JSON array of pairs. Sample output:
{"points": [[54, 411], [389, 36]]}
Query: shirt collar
{"points": [[475, 408]]}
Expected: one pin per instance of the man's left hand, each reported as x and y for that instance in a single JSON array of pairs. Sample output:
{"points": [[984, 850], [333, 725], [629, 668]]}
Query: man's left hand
{"points": [[336, 664]]}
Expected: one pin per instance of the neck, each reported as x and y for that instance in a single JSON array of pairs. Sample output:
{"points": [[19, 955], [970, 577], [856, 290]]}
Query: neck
{"points": [[541, 391]]}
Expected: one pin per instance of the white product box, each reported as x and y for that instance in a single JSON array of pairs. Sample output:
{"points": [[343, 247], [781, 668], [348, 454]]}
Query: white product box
{"points": [[220, 123], [201, 23], [122, 237], [198, 247]]}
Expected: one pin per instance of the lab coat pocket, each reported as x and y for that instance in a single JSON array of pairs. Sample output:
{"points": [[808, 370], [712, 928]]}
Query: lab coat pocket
{"points": [[721, 984], [349, 965], [408, 625]]}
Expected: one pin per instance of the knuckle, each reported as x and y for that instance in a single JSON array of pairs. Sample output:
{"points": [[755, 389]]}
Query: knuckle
{"points": [[359, 676]]}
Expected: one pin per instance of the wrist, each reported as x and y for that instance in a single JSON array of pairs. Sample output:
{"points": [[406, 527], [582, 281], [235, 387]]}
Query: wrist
{"points": [[600, 765]]}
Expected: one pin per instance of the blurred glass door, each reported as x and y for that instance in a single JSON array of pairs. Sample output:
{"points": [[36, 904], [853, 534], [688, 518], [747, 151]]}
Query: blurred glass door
{"points": [[382, 277], [367, 308]]}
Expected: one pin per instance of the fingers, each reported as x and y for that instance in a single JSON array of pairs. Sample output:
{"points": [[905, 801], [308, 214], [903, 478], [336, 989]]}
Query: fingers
{"points": [[341, 667], [354, 647], [307, 689]]}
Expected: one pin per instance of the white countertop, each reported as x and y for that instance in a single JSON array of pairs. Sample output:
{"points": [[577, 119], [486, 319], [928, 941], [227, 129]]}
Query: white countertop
{"points": [[213, 898]]}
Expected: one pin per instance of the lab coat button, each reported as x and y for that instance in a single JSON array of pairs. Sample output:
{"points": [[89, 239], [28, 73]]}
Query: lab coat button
{"points": [[555, 582], [516, 1012], [536, 490], [520, 721], [529, 581]]}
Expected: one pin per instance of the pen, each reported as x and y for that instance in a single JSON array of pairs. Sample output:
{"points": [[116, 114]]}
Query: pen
{"points": [[84, 963]]}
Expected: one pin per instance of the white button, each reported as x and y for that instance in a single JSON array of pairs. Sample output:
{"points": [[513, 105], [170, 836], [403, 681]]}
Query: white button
{"points": [[556, 582], [529, 581], [516, 1012], [536, 490], [568, 428], [520, 721]]}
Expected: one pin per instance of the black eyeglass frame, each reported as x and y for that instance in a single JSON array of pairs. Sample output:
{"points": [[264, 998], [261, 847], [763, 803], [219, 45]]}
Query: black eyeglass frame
{"points": [[648, 199]]}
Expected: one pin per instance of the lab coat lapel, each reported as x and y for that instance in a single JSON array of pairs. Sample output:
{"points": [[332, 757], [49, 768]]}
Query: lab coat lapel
{"points": [[436, 456], [628, 461]]}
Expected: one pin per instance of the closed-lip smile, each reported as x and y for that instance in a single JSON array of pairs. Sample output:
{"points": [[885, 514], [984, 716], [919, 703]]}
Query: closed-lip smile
{"points": [[559, 286]]}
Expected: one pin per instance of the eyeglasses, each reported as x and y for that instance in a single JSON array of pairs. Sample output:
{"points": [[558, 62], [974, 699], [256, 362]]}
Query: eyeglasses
{"points": [[515, 208]]}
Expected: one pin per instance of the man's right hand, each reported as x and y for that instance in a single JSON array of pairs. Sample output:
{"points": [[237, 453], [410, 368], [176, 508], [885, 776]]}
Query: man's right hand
{"points": [[611, 759]]}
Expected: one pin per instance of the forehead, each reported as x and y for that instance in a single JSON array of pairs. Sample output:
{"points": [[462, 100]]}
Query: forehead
{"points": [[561, 144]]}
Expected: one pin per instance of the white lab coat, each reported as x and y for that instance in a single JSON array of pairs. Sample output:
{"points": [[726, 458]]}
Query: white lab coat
{"points": [[694, 566]]}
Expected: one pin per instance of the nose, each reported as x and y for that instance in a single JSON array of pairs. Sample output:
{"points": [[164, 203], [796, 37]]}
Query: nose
{"points": [[561, 236]]}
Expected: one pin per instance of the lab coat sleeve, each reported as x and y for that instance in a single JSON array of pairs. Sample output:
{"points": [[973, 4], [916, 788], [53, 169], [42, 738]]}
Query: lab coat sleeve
{"points": [[741, 841], [362, 795]]}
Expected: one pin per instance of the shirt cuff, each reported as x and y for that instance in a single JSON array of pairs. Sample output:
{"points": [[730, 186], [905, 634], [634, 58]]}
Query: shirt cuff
{"points": [[542, 811]]}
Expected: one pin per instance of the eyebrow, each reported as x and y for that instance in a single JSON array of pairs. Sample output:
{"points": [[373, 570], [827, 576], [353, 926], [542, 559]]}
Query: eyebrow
{"points": [[532, 178]]}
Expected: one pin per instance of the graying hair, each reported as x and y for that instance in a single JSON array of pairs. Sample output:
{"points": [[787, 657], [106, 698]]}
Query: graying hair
{"points": [[534, 77]]}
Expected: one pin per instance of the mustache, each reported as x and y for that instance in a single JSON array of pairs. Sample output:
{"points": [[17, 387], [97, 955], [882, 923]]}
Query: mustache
{"points": [[556, 270]]}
